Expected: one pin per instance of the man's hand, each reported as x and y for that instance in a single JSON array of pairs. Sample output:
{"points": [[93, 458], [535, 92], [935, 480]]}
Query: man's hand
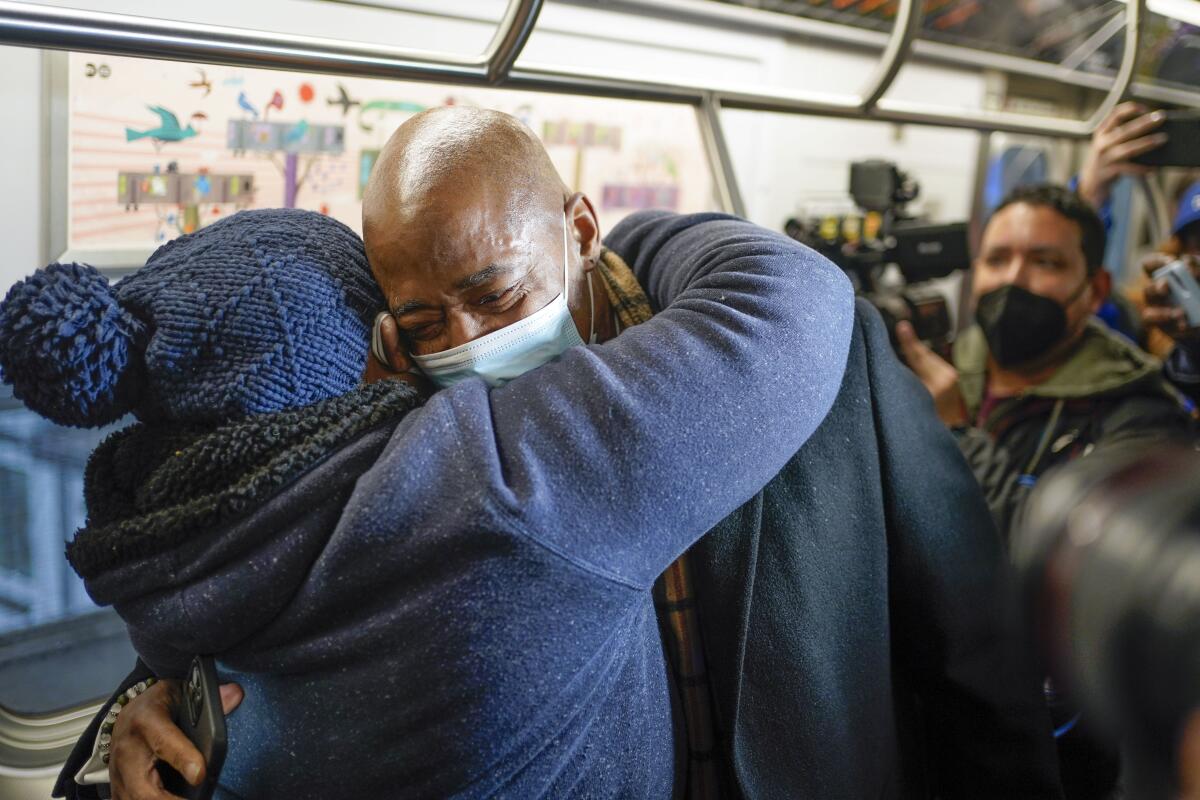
{"points": [[146, 733], [1160, 311], [939, 376], [1127, 132]]}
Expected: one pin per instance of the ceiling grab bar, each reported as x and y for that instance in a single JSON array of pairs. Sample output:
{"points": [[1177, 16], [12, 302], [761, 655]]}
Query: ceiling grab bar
{"points": [[720, 161], [1135, 16], [56, 28], [904, 33], [510, 38], [32, 25]]}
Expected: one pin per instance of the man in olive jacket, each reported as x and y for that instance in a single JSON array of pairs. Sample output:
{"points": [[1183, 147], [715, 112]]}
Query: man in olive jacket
{"points": [[1037, 382]]}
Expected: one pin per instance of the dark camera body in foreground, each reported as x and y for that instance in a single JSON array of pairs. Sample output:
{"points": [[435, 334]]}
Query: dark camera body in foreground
{"points": [[1108, 556]]}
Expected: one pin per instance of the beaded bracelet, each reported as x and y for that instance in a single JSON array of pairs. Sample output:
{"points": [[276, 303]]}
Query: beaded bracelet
{"points": [[110, 719]]}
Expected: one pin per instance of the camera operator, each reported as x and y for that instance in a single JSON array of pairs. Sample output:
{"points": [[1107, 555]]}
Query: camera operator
{"points": [[1037, 382]]}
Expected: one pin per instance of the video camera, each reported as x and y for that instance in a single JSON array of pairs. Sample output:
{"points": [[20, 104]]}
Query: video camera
{"points": [[1108, 559], [863, 245]]}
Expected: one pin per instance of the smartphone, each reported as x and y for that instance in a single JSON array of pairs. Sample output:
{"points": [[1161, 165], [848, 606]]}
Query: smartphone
{"points": [[1182, 148], [1185, 292], [200, 716]]}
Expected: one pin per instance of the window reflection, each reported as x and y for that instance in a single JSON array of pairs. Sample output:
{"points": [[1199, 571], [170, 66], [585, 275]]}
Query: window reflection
{"points": [[57, 649], [1086, 35]]}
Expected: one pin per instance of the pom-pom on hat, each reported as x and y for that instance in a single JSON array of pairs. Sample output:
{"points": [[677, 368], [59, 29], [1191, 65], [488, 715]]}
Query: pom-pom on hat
{"points": [[262, 311]]}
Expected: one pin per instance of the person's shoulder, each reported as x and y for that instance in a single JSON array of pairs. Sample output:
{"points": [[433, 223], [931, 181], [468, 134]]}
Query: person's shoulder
{"points": [[1104, 364], [650, 231]]}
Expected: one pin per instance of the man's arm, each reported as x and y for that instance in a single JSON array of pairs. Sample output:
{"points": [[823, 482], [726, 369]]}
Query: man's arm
{"points": [[989, 731], [619, 456]]}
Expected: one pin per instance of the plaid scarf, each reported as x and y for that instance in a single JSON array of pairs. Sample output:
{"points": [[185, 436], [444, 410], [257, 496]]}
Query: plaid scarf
{"points": [[674, 595]]}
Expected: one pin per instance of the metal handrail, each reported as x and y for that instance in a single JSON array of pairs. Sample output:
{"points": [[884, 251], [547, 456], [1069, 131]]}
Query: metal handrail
{"points": [[904, 32], [56, 28], [1135, 13], [760, 21], [28, 24], [509, 40], [725, 184], [1008, 122]]}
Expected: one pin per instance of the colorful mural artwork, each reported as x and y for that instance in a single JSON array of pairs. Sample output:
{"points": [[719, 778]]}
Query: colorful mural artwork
{"points": [[157, 149]]}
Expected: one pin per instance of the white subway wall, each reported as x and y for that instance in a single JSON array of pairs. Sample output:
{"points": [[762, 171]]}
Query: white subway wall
{"points": [[21, 155]]}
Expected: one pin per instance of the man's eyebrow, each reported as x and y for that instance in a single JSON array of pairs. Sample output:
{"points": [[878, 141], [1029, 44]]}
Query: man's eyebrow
{"points": [[1036, 249], [483, 276]]}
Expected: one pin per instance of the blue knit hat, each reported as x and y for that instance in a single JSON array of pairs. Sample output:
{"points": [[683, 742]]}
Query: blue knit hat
{"points": [[262, 311]]}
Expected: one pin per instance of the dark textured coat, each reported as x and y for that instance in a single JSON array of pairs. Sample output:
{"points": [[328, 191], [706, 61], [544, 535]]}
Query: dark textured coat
{"points": [[853, 617]]}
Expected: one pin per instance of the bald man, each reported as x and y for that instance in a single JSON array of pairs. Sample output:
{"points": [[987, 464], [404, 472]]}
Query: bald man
{"points": [[615, 457]]}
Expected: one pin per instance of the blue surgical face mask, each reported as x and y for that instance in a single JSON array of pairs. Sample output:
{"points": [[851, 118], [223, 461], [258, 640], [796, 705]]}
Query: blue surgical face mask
{"points": [[526, 344]]}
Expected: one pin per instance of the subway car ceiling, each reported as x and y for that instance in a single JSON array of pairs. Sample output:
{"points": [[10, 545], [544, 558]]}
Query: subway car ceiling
{"points": [[756, 107]]}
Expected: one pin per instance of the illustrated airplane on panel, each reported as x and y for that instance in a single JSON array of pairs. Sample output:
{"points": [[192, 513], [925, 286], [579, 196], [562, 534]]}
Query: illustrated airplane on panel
{"points": [[343, 99]]}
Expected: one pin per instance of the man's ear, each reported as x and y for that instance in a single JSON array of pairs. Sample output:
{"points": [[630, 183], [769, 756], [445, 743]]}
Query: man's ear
{"points": [[585, 228], [388, 356], [1101, 282]]}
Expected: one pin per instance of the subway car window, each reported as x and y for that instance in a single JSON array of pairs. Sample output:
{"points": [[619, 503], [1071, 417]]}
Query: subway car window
{"points": [[820, 153], [57, 649], [1171, 48], [1076, 34]]}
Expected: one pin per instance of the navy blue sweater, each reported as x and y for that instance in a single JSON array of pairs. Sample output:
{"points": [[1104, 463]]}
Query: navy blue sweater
{"points": [[459, 604]]}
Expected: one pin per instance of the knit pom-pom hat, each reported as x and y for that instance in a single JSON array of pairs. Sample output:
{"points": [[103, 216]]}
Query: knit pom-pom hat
{"points": [[263, 311]]}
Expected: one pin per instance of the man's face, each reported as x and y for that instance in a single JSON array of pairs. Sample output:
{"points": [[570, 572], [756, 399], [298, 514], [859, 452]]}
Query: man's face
{"points": [[1040, 250], [463, 267]]}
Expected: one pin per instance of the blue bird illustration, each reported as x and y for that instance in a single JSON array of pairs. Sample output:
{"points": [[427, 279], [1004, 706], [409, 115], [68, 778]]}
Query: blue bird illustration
{"points": [[246, 105], [296, 132], [168, 129]]}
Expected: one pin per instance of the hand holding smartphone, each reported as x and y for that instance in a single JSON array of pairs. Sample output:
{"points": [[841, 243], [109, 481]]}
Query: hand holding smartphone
{"points": [[200, 716], [1185, 292], [1182, 148]]}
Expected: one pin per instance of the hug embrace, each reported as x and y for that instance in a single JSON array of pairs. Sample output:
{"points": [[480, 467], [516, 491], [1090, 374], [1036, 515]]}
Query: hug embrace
{"points": [[644, 518]]}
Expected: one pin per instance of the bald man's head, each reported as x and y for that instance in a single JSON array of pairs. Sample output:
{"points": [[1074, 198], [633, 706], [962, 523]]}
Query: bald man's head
{"points": [[439, 155], [464, 218]]}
